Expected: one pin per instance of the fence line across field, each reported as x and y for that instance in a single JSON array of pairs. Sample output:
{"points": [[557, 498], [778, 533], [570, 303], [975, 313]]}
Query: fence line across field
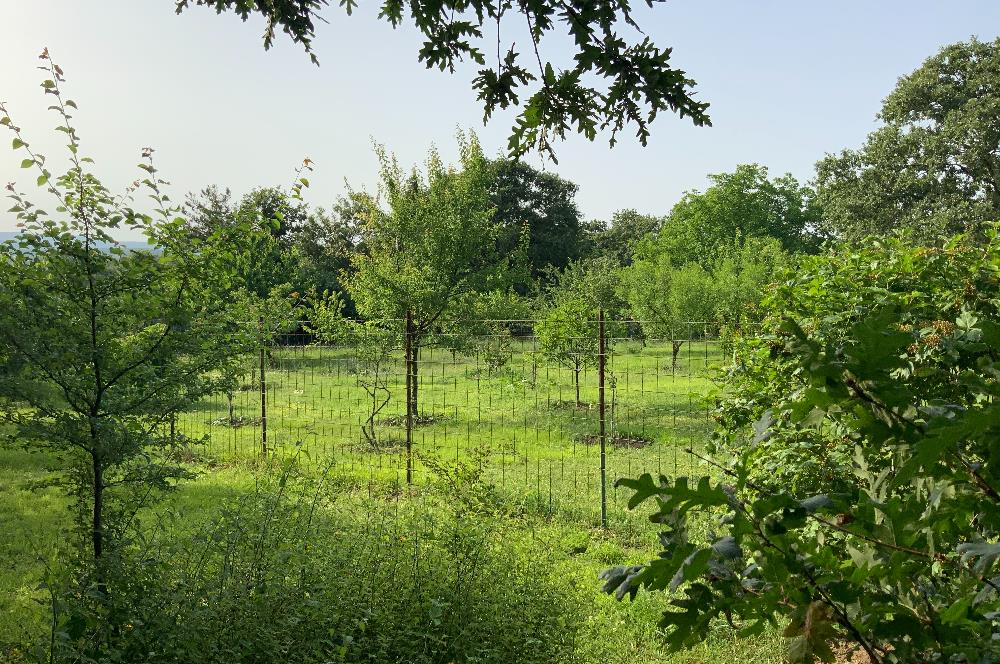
{"points": [[553, 431]]}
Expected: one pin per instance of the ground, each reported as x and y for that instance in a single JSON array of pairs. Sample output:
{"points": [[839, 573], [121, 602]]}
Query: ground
{"points": [[511, 431]]}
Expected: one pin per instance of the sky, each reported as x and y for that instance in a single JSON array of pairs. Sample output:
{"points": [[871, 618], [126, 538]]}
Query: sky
{"points": [[787, 80]]}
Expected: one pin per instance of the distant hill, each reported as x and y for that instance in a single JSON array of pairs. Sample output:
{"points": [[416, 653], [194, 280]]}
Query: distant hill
{"points": [[129, 244]]}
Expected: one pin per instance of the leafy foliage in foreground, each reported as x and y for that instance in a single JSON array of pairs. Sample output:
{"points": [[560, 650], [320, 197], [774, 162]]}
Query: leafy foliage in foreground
{"points": [[636, 80], [890, 354]]}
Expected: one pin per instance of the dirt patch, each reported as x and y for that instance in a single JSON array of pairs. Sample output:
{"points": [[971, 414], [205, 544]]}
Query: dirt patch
{"points": [[564, 404], [620, 441], [235, 422], [418, 421]]}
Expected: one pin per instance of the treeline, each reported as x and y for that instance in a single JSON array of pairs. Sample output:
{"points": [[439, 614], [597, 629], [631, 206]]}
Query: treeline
{"points": [[497, 238]]}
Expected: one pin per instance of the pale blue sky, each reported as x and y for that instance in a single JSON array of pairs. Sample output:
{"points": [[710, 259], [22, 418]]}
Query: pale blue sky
{"points": [[788, 80]]}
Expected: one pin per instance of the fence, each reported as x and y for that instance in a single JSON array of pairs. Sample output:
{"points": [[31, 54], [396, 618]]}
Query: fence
{"points": [[553, 425]]}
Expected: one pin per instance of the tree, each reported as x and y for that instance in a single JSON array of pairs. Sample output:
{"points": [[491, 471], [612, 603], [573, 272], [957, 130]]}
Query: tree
{"points": [[860, 502], [323, 245], [619, 238], [739, 205], [567, 335], [261, 229], [434, 251], [667, 298], [372, 344], [636, 81], [567, 332], [111, 342], [542, 205], [934, 165]]}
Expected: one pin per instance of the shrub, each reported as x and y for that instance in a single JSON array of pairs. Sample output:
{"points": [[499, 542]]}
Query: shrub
{"points": [[886, 356], [288, 573]]}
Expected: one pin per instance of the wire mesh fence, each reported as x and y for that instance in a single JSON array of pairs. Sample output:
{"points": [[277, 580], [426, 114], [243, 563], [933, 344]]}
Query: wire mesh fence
{"points": [[538, 423]]}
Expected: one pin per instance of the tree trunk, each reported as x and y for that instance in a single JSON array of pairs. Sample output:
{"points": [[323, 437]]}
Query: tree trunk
{"points": [[414, 370], [677, 349], [97, 530], [576, 381]]}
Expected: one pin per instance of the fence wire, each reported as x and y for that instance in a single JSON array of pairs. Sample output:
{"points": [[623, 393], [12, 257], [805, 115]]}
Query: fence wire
{"points": [[523, 417]]}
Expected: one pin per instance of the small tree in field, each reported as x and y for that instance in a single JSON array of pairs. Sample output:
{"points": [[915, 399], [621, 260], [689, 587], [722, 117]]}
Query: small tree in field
{"points": [[372, 344], [667, 298], [110, 342], [567, 332], [567, 335], [434, 250]]}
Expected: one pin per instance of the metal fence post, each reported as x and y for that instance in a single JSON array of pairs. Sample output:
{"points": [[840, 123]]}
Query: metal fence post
{"points": [[263, 390], [409, 396], [601, 364]]}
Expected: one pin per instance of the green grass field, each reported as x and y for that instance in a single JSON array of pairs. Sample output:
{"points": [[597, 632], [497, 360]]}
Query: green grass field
{"points": [[541, 442], [535, 445]]}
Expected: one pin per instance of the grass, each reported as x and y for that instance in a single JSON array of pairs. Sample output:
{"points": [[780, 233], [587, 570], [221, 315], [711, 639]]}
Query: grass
{"points": [[525, 412], [540, 464]]}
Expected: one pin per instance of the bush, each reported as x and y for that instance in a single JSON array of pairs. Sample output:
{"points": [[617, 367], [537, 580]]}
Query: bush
{"points": [[290, 574], [887, 360]]}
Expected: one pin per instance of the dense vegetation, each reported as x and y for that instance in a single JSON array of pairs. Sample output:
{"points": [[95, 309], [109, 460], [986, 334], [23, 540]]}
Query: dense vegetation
{"points": [[849, 496]]}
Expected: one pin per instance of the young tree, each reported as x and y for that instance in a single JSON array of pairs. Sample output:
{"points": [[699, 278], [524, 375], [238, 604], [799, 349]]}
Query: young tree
{"points": [[610, 83], [933, 167], [434, 250], [667, 298], [111, 342], [567, 335], [372, 343], [567, 332]]}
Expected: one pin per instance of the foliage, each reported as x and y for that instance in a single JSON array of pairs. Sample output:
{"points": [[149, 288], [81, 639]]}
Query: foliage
{"points": [[738, 206], [620, 237], [568, 331], [373, 343], [111, 342], [259, 230], [435, 243], [542, 205], [635, 81], [891, 353], [283, 574], [933, 166], [671, 302]]}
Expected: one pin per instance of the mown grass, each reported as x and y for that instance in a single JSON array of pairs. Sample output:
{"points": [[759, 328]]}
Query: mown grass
{"points": [[539, 469]]}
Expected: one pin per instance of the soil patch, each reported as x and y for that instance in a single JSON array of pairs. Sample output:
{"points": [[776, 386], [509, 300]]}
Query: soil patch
{"points": [[620, 441], [235, 422], [418, 421]]}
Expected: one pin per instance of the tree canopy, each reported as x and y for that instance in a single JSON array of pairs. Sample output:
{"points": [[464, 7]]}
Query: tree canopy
{"points": [[543, 206], [934, 165], [611, 83], [743, 204]]}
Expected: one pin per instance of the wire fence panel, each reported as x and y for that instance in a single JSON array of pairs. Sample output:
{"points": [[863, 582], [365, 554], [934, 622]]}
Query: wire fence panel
{"points": [[522, 418]]}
